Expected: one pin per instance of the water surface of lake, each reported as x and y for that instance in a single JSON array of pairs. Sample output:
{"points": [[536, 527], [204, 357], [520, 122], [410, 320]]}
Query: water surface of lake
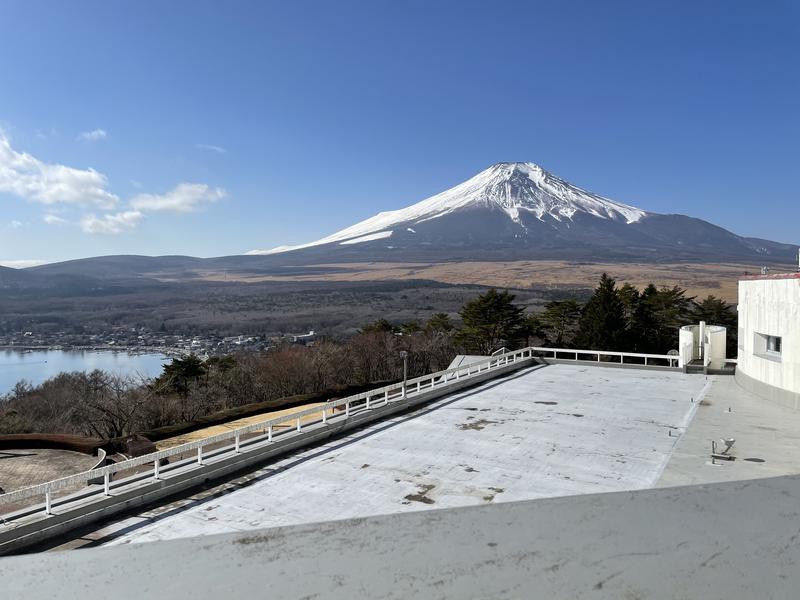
{"points": [[38, 365]]}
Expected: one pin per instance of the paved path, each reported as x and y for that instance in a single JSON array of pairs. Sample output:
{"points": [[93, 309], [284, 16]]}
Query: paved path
{"points": [[24, 468], [230, 425]]}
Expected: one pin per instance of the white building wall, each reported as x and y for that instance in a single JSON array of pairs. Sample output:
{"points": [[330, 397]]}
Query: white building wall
{"points": [[770, 307]]}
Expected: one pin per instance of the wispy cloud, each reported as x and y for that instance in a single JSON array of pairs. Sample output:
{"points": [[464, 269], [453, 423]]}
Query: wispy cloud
{"points": [[114, 223], [52, 219], [21, 264], [93, 136], [211, 148], [43, 135], [32, 179], [184, 198], [59, 186]]}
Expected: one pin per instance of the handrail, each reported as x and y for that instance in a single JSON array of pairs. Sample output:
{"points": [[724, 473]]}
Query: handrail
{"points": [[603, 352], [384, 394], [672, 361]]}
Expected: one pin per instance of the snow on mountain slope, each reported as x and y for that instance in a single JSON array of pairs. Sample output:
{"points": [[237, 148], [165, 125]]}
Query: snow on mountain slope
{"points": [[512, 188]]}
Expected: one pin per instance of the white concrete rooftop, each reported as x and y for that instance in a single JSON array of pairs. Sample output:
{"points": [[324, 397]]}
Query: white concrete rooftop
{"points": [[544, 432]]}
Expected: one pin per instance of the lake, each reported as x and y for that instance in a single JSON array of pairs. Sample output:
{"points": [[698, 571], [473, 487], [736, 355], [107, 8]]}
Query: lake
{"points": [[38, 365]]}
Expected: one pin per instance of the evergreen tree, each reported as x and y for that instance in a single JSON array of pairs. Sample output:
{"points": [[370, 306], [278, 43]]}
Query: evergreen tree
{"points": [[602, 323], [559, 322], [531, 328], [180, 374], [715, 311], [671, 310], [644, 327], [379, 326], [630, 298], [439, 323], [410, 327], [489, 322]]}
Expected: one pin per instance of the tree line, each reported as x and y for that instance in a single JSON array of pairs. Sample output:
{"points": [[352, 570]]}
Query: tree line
{"points": [[99, 404]]}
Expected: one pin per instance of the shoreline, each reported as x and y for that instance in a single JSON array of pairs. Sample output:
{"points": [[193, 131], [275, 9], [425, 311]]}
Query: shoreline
{"points": [[137, 350]]}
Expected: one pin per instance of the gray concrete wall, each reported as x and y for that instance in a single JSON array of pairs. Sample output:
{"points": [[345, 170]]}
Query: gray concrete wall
{"points": [[722, 541], [769, 392]]}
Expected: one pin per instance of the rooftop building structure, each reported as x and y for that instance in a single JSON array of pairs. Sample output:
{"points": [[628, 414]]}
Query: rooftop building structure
{"points": [[769, 337]]}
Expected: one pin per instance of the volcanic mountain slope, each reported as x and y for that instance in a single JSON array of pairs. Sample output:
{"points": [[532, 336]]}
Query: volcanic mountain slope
{"points": [[516, 211], [508, 212]]}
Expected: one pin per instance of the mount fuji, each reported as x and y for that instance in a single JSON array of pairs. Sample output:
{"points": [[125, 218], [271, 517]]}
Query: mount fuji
{"points": [[508, 212], [515, 211]]}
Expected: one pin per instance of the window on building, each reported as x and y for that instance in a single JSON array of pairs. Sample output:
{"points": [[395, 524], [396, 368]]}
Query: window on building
{"points": [[773, 344], [768, 346]]}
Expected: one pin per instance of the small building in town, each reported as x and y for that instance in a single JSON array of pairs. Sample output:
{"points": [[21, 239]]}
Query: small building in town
{"points": [[769, 337]]}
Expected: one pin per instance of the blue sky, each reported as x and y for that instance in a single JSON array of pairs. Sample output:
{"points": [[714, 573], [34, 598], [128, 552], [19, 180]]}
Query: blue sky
{"points": [[212, 128]]}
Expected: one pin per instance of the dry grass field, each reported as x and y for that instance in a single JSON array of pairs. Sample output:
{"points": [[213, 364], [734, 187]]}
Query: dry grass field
{"points": [[700, 279]]}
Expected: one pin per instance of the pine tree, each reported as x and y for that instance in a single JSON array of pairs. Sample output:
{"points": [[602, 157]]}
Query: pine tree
{"points": [[715, 311], [559, 322], [439, 323], [489, 322], [602, 323]]}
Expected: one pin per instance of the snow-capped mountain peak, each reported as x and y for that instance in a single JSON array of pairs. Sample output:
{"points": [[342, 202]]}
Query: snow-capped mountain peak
{"points": [[511, 187]]}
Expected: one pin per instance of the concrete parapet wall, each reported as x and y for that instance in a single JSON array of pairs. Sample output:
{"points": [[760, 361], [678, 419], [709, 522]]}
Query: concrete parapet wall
{"points": [[612, 365], [769, 392], [682, 542]]}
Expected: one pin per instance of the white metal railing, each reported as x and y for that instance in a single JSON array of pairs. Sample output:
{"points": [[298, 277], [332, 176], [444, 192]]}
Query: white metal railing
{"points": [[573, 354], [296, 421]]}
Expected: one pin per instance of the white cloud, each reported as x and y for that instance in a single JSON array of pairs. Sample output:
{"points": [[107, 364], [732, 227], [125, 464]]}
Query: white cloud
{"points": [[43, 135], [114, 223], [93, 136], [51, 219], [211, 148], [184, 198], [54, 185], [32, 179], [21, 264]]}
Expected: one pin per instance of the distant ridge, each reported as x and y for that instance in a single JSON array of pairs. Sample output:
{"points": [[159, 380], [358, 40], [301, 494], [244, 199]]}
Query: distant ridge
{"points": [[510, 211], [520, 210]]}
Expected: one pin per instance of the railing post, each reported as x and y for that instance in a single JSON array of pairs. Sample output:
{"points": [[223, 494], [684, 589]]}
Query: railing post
{"points": [[367, 402], [156, 465], [386, 396], [645, 361], [236, 444], [299, 426], [199, 455], [107, 484], [269, 433], [48, 505], [418, 386], [347, 409], [324, 414]]}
